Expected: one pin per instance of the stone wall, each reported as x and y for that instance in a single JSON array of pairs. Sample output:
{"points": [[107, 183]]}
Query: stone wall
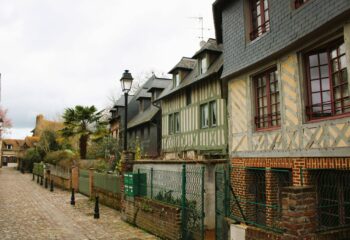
{"points": [[61, 182], [158, 218]]}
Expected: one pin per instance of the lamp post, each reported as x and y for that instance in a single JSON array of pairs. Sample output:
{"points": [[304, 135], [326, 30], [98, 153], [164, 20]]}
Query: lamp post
{"points": [[126, 82]]}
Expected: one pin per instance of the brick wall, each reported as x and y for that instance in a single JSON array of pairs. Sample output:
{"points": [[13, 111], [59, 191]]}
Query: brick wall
{"points": [[107, 198], [298, 202], [295, 164], [160, 219]]}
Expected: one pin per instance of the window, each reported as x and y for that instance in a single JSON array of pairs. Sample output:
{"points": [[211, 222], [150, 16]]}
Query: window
{"points": [[174, 123], [208, 115], [177, 122], [203, 66], [333, 194], [142, 133], [142, 105], [188, 96], [260, 18], [176, 79], [327, 80], [212, 108], [298, 3], [204, 115], [9, 146], [267, 100], [171, 124]]}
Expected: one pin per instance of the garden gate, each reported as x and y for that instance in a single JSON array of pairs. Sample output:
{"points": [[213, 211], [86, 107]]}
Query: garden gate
{"points": [[221, 176], [84, 187]]}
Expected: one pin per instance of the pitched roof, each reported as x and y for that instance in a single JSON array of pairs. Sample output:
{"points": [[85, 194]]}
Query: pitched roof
{"points": [[16, 143], [210, 46], [121, 101], [185, 63], [143, 117], [143, 93], [194, 77], [30, 141], [43, 124], [159, 83]]}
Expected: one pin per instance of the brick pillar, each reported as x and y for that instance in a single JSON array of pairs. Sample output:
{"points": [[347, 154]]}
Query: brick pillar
{"points": [[91, 182], [127, 160], [271, 179], [299, 212], [75, 178], [242, 180]]}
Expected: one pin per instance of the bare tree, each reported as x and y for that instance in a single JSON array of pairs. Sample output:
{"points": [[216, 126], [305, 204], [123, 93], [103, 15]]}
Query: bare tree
{"points": [[6, 121]]}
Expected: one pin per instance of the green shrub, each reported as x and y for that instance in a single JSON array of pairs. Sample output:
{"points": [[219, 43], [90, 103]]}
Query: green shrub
{"points": [[31, 156], [63, 158]]}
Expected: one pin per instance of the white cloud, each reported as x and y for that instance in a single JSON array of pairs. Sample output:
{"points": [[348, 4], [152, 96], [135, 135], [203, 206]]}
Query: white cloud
{"points": [[57, 54]]}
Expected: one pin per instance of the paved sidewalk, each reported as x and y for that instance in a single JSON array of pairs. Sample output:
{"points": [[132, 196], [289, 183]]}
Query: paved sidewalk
{"points": [[29, 211]]}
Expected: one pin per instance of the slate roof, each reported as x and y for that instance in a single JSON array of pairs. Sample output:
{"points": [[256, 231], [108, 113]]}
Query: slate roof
{"points": [[121, 101], [185, 63], [149, 113], [144, 93], [143, 117], [159, 83], [210, 46], [194, 77]]}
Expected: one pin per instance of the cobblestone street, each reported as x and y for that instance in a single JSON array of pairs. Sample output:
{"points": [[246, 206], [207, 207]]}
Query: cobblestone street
{"points": [[29, 211]]}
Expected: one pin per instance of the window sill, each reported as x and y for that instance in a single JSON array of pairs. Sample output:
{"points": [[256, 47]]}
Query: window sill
{"points": [[345, 115], [252, 41], [268, 129]]}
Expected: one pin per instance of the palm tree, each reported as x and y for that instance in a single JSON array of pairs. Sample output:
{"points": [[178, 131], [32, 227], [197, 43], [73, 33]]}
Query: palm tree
{"points": [[83, 122]]}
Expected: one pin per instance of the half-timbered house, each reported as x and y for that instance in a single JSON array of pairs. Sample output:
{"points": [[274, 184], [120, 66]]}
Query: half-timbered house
{"points": [[194, 107], [287, 64]]}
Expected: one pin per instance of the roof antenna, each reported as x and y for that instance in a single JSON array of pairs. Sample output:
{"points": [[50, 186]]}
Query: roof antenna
{"points": [[202, 28]]}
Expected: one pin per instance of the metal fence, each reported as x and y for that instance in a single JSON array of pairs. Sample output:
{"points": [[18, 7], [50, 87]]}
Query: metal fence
{"points": [[109, 182], [183, 188], [59, 171], [333, 196], [38, 169], [255, 196]]}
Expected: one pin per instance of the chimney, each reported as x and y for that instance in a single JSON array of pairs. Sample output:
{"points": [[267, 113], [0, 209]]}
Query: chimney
{"points": [[202, 43]]}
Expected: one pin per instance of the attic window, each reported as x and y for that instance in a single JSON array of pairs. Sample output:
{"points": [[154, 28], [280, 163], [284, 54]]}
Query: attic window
{"points": [[203, 65], [177, 79], [260, 18], [9, 146], [142, 105]]}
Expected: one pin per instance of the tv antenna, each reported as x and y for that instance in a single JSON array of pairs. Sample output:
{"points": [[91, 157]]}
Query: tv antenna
{"points": [[202, 28]]}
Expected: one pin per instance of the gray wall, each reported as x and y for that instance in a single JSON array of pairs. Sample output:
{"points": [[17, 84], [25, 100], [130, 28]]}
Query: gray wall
{"points": [[287, 25]]}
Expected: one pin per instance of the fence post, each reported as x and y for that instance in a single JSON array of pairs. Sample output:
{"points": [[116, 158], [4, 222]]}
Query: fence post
{"points": [[202, 196], [183, 203], [151, 183]]}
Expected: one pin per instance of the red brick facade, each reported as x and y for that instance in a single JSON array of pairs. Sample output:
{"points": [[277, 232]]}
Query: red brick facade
{"points": [[158, 218]]}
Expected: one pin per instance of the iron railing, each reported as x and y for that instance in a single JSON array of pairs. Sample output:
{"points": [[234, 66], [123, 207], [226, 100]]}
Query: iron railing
{"points": [[108, 182], [254, 196], [183, 188], [333, 196]]}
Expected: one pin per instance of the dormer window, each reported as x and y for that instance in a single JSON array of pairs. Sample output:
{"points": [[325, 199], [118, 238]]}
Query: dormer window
{"points": [[142, 105], [203, 65], [155, 94], [177, 79], [9, 146]]}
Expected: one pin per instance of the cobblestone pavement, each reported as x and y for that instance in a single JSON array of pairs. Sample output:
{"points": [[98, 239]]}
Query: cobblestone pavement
{"points": [[29, 211]]}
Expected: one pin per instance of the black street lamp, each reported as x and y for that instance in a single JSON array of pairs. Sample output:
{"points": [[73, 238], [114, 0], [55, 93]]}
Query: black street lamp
{"points": [[126, 82]]}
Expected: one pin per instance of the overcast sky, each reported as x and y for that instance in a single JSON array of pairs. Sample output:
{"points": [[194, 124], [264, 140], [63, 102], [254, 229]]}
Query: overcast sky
{"points": [[59, 53]]}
